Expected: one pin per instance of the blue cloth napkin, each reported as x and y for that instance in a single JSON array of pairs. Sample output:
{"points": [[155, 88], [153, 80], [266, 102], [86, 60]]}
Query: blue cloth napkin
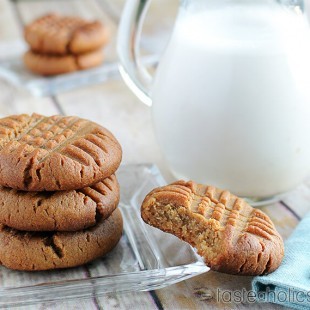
{"points": [[289, 285]]}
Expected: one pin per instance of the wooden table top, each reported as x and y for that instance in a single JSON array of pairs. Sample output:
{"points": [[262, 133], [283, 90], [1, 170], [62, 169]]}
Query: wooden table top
{"points": [[112, 104]]}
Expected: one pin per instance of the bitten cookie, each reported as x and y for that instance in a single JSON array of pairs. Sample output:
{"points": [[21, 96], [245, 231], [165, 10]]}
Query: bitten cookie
{"points": [[60, 35], [58, 211], [43, 251], [45, 64], [55, 153], [228, 233]]}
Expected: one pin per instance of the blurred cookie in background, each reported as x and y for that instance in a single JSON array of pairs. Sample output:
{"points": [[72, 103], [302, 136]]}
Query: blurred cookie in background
{"points": [[62, 44]]}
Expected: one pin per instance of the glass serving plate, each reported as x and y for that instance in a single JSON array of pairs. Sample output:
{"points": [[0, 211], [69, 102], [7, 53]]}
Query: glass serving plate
{"points": [[145, 258], [13, 71]]}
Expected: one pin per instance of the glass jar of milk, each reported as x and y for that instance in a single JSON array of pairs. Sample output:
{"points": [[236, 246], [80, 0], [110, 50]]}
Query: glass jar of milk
{"points": [[231, 95]]}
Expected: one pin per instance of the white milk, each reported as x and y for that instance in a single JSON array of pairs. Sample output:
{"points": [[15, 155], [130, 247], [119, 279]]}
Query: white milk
{"points": [[231, 103]]}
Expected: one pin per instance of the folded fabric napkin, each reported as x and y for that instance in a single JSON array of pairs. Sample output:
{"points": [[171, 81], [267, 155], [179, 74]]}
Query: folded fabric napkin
{"points": [[289, 285]]}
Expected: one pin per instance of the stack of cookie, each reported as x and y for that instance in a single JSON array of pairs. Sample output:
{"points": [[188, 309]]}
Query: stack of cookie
{"points": [[58, 193], [64, 44]]}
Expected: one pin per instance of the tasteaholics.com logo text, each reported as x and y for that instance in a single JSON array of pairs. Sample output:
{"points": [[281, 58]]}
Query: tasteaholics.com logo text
{"points": [[269, 294]]}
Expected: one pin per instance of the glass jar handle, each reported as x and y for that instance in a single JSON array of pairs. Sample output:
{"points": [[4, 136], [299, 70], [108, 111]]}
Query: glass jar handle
{"points": [[133, 72]]}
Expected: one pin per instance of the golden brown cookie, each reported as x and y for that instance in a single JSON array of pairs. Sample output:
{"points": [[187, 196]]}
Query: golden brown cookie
{"points": [[39, 153], [58, 211], [44, 64], [43, 251], [228, 233], [60, 35]]}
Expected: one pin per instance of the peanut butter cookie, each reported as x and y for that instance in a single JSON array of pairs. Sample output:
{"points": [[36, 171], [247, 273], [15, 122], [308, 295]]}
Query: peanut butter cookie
{"points": [[39, 153], [228, 233], [43, 251], [45, 64], [58, 211], [60, 35]]}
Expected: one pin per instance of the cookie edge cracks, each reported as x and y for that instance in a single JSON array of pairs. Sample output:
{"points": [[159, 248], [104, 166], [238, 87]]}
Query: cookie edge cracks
{"points": [[59, 211], [40, 251]]}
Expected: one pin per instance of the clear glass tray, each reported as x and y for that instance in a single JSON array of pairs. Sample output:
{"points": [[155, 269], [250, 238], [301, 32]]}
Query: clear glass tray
{"points": [[145, 259], [13, 71]]}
